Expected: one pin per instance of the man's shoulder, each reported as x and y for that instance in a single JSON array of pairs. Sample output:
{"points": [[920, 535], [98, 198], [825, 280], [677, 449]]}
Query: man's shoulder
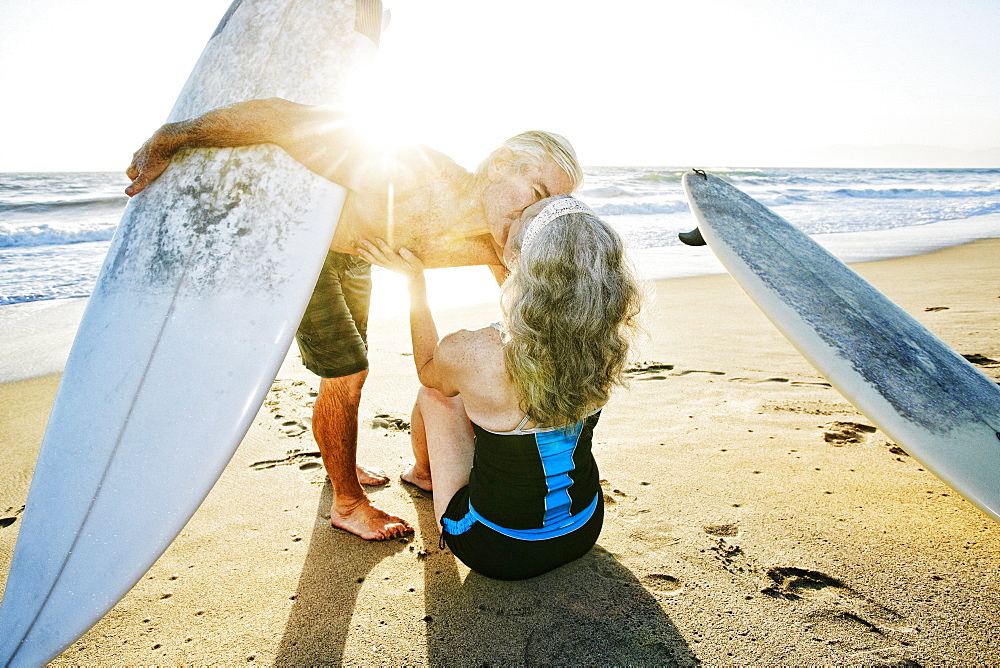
{"points": [[408, 168], [428, 163]]}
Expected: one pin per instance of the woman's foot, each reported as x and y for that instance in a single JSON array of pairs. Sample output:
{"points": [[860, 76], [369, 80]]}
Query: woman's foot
{"points": [[418, 478]]}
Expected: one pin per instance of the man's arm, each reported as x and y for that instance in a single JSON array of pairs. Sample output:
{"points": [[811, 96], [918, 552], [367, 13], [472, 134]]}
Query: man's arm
{"points": [[500, 273], [323, 139]]}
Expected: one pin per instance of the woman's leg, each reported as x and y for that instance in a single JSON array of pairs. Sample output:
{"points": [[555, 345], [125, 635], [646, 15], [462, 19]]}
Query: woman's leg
{"points": [[445, 440], [419, 473]]}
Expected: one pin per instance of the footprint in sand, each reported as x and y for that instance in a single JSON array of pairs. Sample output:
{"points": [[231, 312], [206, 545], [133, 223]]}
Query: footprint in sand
{"points": [[685, 372], [731, 557], [981, 360], [741, 379], [611, 496], [896, 450], [779, 379], [648, 370], [664, 584], [865, 642], [10, 517], [390, 422], [843, 433], [293, 427], [722, 530], [656, 371], [793, 583], [845, 616], [305, 460]]}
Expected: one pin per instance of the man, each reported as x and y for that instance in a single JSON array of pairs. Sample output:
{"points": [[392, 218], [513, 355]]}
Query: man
{"points": [[413, 197]]}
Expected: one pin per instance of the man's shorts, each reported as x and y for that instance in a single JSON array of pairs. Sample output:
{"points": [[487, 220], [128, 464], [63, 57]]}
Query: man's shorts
{"points": [[333, 333]]}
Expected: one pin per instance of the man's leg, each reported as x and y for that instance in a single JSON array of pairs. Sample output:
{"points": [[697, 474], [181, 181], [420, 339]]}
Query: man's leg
{"points": [[335, 428]]}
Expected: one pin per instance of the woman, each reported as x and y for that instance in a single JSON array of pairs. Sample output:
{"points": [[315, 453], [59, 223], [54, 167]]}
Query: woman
{"points": [[502, 428]]}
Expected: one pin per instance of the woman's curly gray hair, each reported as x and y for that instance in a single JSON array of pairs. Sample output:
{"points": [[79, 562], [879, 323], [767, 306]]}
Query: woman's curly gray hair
{"points": [[570, 307]]}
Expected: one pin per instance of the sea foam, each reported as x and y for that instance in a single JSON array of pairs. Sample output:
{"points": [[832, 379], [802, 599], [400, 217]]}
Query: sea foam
{"points": [[55, 228]]}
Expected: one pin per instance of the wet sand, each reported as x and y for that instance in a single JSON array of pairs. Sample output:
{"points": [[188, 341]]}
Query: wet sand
{"points": [[754, 517]]}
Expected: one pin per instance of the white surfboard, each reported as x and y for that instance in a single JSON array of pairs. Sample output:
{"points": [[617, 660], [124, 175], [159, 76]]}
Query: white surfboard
{"points": [[921, 393], [195, 307]]}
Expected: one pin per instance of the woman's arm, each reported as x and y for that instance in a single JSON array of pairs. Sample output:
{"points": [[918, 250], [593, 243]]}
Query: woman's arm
{"points": [[429, 356]]}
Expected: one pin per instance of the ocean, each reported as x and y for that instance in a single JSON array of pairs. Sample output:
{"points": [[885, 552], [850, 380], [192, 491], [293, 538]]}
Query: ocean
{"points": [[55, 228]]}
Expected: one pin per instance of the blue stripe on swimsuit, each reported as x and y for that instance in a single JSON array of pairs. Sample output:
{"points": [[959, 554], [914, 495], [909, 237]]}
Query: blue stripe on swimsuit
{"points": [[556, 449]]}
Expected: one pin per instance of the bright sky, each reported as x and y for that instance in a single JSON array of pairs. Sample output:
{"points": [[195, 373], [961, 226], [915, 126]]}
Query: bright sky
{"points": [[653, 82]]}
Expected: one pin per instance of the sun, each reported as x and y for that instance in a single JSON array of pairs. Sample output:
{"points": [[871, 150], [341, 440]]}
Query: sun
{"points": [[378, 114]]}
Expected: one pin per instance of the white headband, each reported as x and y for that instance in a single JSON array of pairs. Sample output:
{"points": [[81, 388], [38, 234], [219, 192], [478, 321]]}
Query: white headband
{"points": [[551, 211]]}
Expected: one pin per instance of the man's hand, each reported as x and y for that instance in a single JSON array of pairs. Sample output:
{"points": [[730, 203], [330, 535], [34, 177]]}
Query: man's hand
{"points": [[379, 253], [150, 160]]}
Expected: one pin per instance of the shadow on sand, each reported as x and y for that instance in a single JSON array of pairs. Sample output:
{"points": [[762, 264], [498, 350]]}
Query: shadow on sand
{"points": [[327, 591], [593, 611]]}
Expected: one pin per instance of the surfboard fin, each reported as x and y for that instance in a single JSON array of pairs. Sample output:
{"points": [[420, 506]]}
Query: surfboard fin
{"points": [[692, 238]]}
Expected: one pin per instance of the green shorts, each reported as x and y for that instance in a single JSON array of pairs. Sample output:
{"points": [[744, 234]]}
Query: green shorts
{"points": [[332, 336]]}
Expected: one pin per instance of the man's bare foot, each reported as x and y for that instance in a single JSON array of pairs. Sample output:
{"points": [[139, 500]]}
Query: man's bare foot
{"points": [[368, 476], [367, 521], [412, 476]]}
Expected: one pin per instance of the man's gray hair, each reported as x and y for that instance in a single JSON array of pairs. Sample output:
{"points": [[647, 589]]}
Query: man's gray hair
{"points": [[534, 145]]}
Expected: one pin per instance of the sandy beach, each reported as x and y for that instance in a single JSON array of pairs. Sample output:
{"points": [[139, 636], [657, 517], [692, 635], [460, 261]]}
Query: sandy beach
{"points": [[754, 517]]}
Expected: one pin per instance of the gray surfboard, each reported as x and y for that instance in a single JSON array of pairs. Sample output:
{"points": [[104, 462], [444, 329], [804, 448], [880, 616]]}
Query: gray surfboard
{"points": [[925, 396]]}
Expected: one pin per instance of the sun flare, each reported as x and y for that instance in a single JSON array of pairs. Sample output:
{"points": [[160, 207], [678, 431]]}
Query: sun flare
{"points": [[376, 111]]}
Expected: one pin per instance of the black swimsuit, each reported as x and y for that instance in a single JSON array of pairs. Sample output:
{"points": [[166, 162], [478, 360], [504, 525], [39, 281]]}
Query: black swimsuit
{"points": [[533, 501]]}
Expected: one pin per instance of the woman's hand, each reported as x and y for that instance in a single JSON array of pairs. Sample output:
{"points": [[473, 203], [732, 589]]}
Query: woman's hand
{"points": [[379, 253]]}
